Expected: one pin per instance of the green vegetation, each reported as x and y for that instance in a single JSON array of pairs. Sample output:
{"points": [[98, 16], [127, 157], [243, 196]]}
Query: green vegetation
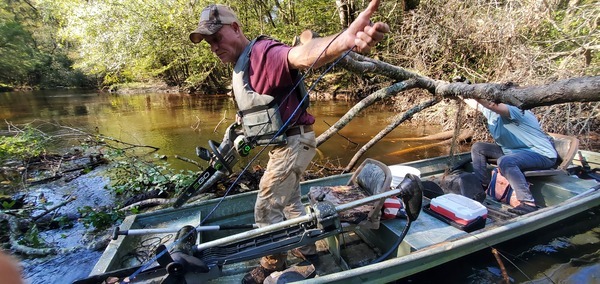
{"points": [[25, 144], [50, 43], [8, 205], [32, 238], [134, 175], [100, 220], [30, 53], [16, 47]]}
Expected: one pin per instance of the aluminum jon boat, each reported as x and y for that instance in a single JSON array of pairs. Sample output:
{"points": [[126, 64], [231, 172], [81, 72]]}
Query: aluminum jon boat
{"points": [[355, 247]]}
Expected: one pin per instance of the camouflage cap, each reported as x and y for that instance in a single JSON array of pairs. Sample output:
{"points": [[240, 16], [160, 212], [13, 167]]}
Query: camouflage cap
{"points": [[212, 19]]}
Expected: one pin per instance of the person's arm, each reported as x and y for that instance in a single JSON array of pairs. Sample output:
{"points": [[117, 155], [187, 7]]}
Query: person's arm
{"points": [[501, 109], [360, 34], [472, 103]]}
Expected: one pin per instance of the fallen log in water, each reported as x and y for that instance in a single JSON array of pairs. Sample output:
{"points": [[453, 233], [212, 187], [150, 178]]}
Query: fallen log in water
{"points": [[438, 136], [463, 137], [14, 234]]}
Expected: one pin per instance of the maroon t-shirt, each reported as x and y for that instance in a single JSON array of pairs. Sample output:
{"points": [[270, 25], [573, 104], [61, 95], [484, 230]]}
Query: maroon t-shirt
{"points": [[271, 75]]}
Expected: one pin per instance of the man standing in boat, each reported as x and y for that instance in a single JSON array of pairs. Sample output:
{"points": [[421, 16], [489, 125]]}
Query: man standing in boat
{"points": [[520, 145], [266, 77]]}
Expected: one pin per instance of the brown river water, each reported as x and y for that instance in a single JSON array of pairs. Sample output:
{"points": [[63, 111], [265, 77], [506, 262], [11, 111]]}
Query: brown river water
{"points": [[177, 123]]}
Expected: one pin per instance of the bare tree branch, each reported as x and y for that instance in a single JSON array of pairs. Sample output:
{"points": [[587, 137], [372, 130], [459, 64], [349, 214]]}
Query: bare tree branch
{"points": [[398, 119], [582, 89], [364, 103], [72, 198]]}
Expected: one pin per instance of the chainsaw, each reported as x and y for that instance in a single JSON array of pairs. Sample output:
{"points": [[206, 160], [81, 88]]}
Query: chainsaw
{"points": [[221, 157]]}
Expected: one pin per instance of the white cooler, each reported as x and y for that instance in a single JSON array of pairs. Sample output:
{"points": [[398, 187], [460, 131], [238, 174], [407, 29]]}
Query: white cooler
{"points": [[399, 172], [458, 208]]}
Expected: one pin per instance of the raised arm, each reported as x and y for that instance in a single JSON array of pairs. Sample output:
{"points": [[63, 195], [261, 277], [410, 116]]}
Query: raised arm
{"points": [[501, 109], [361, 35]]}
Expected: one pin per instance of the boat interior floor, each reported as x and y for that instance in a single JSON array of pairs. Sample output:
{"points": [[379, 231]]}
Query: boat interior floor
{"points": [[361, 247], [354, 250]]}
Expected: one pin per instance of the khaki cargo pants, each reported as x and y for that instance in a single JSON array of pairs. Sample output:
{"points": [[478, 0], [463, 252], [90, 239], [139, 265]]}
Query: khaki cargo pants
{"points": [[279, 190]]}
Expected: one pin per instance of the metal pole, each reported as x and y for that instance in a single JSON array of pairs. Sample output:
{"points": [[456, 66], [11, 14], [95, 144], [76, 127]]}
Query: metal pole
{"points": [[132, 232], [291, 222]]}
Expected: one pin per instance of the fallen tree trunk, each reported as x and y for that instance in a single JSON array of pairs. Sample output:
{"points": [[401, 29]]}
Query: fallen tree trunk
{"points": [[438, 136], [581, 89], [14, 233], [463, 137]]}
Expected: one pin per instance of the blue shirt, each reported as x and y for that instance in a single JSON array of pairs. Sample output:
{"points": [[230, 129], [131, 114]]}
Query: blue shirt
{"points": [[520, 132]]}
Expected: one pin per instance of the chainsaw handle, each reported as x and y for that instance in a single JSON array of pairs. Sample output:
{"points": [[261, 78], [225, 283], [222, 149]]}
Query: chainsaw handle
{"points": [[213, 146]]}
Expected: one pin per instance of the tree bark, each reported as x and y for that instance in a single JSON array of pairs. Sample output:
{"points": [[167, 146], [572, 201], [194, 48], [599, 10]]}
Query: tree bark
{"points": [[582, 89], [345, 11]]}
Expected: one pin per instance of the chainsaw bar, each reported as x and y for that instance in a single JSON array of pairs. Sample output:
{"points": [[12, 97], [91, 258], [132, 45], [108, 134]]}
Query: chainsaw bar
{"points": [[197, 187]]}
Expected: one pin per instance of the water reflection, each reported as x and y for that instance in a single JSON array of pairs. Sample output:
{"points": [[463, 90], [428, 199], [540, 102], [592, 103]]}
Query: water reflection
{"points": [[177, 123]]}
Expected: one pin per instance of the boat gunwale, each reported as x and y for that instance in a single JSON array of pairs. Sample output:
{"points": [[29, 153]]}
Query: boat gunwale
{"points": [[466, 244]]}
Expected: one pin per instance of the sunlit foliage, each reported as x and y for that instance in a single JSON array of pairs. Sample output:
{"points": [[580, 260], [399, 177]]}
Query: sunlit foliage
{"points": [[26, 143], [30, 53], [124, 41], [120, 41]]}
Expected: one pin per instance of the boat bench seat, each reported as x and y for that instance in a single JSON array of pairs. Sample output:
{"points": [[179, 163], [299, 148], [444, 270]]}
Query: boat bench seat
{"points": [[371, 177], [566, 148]]}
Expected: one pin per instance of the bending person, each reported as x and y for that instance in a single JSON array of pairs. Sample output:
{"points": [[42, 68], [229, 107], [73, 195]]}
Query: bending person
{"points": [[520, 145], [266, 72]]}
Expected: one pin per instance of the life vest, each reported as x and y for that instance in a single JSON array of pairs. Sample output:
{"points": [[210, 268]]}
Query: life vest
{"points": [[261, 119]]}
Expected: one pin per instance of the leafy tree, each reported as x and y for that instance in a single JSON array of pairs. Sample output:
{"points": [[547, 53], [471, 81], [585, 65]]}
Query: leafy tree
{"points": [[124, 41], [31, 53], [17, 50], [120, 41]]}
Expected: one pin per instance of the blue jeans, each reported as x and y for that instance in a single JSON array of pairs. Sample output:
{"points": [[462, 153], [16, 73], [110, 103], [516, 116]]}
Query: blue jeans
{"points": [[511, 166]]}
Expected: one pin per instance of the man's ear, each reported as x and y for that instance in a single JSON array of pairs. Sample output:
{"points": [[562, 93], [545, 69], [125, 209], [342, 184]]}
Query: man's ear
{"points": [[235, 26]]}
